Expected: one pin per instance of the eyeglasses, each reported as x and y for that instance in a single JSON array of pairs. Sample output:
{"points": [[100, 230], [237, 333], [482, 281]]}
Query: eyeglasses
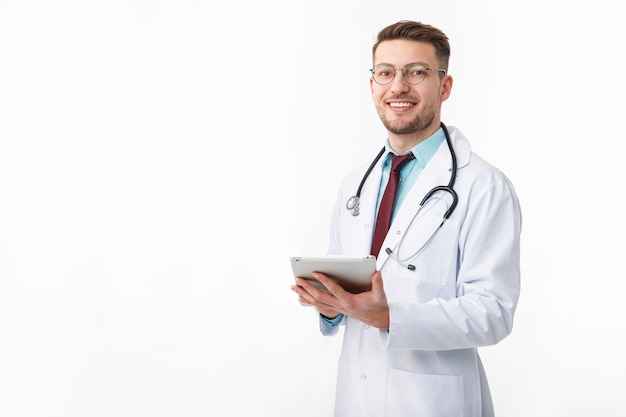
{"points": [[413, 74]]}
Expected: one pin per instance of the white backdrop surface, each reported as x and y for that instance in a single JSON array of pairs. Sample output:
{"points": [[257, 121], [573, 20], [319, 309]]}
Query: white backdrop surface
{"points": [[146, 215]]}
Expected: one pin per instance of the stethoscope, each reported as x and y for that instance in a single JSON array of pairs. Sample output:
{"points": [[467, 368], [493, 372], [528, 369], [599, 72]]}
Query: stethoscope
{"points": [[353, 202]]}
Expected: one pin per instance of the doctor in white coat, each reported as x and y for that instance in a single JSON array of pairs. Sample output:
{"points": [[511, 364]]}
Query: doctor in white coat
{"points": [[410, 344]]}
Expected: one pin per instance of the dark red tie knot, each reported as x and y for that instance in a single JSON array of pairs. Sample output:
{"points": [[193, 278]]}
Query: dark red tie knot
{"points": [[397, 161]]}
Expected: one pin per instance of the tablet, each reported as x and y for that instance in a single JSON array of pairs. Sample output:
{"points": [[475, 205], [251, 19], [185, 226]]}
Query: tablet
{"points": [[353, 273]]}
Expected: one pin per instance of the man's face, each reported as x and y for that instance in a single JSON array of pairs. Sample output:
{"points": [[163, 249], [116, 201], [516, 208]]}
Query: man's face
{"points": [[405, 108]]}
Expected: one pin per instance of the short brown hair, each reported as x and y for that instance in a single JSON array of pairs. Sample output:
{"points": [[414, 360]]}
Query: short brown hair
{"points": [[416, 31]]}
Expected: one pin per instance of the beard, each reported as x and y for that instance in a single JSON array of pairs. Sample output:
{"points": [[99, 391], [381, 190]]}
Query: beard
{"points": [[419, 123]]}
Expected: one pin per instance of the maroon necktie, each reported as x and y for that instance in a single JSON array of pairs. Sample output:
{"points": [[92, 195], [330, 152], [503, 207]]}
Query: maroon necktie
{"points": [[383, 220]]}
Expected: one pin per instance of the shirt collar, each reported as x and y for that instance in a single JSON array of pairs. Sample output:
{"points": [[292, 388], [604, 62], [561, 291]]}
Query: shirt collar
{"points": [[424, 150]]}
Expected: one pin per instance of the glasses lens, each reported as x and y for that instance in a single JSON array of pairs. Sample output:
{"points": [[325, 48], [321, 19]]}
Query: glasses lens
{"points": [[383, 73], [414, 73]]}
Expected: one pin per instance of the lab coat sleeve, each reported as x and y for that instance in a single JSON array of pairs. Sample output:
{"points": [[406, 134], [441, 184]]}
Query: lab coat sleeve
{"points": [[487, 283]]}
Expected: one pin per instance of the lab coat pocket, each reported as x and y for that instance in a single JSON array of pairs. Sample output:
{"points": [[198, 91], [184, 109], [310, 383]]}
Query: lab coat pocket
{"points": [[424, 395], [427, 251]]}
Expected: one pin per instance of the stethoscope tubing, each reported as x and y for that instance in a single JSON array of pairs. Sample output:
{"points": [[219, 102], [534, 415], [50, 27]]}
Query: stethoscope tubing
{"points": [[450, 187], [353, 202], [369, 171]]}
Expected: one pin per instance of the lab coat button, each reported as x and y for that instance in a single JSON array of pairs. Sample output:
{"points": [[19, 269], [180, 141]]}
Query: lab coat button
{"points": [[367, 326], [363, 376]]}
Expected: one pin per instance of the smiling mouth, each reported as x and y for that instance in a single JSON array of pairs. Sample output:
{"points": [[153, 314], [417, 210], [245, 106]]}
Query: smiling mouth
{"points": [[401, 104]]}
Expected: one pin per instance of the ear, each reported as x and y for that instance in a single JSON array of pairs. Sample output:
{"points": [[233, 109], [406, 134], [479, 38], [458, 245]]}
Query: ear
{"points": [[371, 85], [446, 87]]}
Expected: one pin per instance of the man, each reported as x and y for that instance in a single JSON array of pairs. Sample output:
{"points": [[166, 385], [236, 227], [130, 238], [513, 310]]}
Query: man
{"points": [[441, 290]]}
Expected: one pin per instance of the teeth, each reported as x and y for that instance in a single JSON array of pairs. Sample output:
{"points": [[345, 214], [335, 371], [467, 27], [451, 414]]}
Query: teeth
{"points": [[400, 104]]}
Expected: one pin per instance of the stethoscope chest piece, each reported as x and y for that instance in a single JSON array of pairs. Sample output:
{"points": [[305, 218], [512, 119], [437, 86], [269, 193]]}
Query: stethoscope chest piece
{"points": [[353, 205]]}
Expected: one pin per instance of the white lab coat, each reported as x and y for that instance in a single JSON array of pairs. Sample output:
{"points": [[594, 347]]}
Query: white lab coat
{"points": [[461, 295]]}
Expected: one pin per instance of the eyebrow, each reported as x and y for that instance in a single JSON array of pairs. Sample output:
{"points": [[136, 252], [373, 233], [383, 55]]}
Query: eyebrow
{"points": [[410, 63]]}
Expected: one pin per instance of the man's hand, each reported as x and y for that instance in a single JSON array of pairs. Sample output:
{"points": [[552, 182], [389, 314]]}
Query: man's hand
{"points": [[370, 307]]}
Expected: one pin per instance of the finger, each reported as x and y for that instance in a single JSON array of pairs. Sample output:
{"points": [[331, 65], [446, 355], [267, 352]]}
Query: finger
{"points": [[313, 289], [307, 285], [306, 298], [332, 287], [377, 281], [310, 292], [303, 295], [322, 299], [378, 289]]}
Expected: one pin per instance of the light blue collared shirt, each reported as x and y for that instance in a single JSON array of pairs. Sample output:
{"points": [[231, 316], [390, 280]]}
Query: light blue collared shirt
{"points": [[409, 173]]}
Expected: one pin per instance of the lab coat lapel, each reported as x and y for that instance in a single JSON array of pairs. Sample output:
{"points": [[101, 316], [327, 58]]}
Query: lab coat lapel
{"points": [[367, 218]]}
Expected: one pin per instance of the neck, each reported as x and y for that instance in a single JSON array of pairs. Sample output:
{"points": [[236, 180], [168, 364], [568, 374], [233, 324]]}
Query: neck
{"points": [[402, 143]]}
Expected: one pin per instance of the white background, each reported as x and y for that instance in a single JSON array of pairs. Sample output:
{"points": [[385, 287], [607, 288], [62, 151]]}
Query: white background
{"points": [[146, 218]]}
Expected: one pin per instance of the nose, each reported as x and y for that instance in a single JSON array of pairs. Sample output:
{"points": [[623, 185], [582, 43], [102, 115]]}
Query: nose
{"points": [[399, 84]]}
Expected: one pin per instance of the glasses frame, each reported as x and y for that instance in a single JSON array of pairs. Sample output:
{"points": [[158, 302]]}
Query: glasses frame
{"points": [[403, 69]]}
